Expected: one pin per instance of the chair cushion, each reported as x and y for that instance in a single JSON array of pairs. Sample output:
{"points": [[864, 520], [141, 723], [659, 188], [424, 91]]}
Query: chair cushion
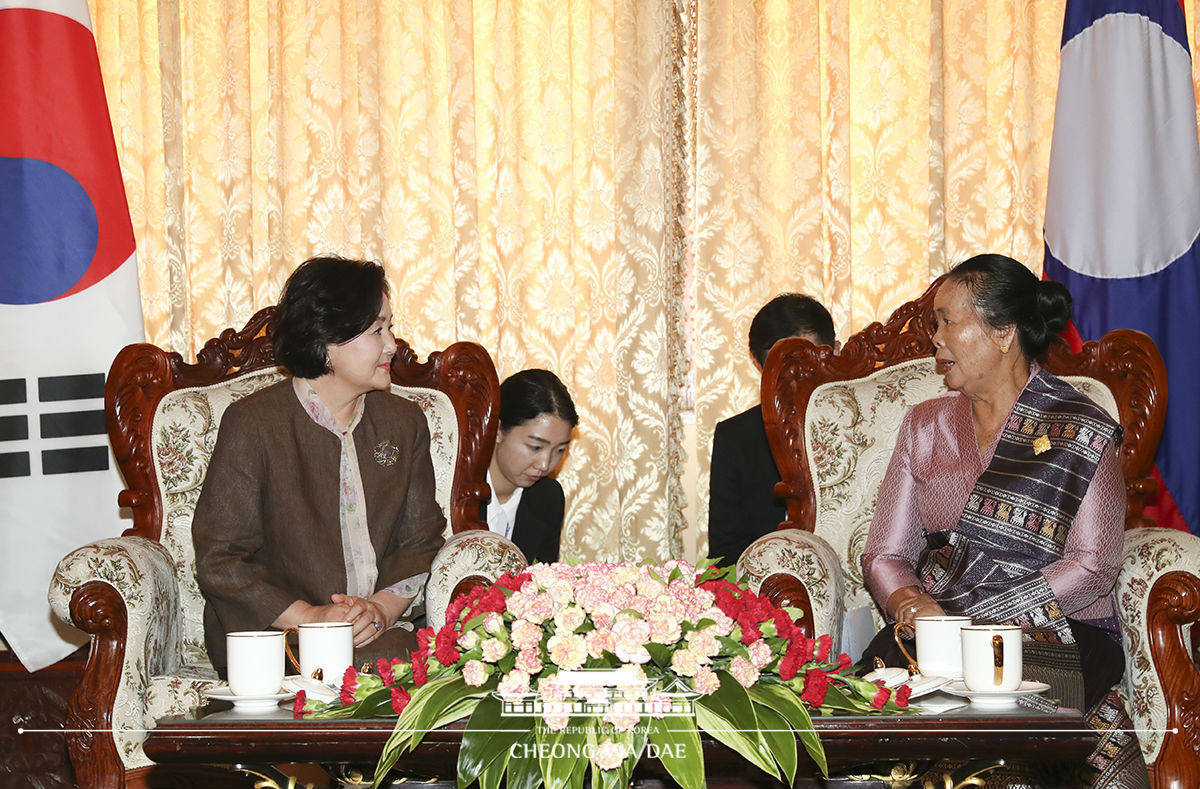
{"points": [[184, 433], [851, 429]]}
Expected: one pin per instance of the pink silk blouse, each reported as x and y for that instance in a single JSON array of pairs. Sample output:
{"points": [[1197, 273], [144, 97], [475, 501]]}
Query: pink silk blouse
{"points": [[931, 474]]}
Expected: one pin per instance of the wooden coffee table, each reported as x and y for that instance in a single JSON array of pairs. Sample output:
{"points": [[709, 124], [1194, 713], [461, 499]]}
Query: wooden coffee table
{"points": [[221, 736]]}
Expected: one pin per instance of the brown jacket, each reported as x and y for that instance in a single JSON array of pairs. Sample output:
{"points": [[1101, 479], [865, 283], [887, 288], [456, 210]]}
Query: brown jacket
{"points": [[267, 529]]}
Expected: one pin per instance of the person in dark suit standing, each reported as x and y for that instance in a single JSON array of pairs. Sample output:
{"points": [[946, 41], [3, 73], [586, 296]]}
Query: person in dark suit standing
{"points": [[742, 506], [537, 417]]}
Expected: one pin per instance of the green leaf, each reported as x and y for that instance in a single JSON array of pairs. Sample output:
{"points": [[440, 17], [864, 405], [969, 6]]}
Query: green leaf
{"points": [[490, 778], [524, 769], [787, 703], [438, 700], [559, 751], [660, 654], [487, 738], [778, 739], [677, 745], [728, 715]]}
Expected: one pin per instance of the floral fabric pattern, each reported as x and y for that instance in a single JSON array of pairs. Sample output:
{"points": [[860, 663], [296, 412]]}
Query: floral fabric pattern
{"points": [[474, 552], [1149, 554], [809, 558]]}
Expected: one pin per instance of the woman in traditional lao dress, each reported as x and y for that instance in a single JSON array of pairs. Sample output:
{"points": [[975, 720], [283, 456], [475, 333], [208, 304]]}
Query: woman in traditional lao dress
{"points": [[1005, 501]]}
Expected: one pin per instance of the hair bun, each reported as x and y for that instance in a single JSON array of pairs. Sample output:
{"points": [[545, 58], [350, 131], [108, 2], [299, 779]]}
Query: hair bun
{"points": [[1054, 305]]}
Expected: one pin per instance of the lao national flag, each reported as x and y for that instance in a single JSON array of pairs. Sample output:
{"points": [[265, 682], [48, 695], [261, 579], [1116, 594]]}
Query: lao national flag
{"points": [[68, 302], [1123, 207]]}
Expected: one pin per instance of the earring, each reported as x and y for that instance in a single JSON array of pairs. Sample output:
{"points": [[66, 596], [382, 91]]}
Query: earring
{"points": [[1004, 348]]}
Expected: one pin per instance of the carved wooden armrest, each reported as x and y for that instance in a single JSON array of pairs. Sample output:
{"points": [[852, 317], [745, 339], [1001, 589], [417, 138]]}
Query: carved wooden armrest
{"points": [[123, 592], [798, 568], [468, 558], [1158, 595]]}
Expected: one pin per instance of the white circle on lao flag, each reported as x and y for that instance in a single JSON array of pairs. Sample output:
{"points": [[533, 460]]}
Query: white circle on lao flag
{"points": [[1124, 99]]}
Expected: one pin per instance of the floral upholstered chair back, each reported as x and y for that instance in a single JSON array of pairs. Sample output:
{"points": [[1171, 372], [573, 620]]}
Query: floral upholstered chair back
{"points": [[850, 430], [184, 433]]}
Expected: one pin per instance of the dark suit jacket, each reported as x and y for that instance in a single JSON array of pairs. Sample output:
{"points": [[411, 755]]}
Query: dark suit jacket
{"points": [[539, 520], [267, 527], [742, 506]]}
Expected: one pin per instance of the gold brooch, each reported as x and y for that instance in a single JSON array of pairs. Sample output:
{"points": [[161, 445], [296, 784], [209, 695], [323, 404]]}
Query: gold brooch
{"points": [[1041, 444], [386, 453]]}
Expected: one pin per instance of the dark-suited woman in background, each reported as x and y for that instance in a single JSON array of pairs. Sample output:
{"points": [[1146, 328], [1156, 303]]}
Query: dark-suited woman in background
{"points": [[1005, 501], [742, 506], [537, 417], [318, 504]]}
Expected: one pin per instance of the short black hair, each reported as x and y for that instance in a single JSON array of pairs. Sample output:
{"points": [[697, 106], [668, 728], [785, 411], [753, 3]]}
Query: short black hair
{"points": [[326, 300], [529, 394], [1006, 293], [789, 315]]}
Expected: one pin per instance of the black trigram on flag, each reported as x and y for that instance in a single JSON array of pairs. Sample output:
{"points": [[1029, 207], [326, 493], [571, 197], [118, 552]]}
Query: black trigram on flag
{"points": [[65, 413]]}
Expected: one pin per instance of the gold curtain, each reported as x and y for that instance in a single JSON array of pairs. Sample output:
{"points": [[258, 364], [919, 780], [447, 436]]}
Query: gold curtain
{"points": [[607, 189], [507, 163], [854, 151]]}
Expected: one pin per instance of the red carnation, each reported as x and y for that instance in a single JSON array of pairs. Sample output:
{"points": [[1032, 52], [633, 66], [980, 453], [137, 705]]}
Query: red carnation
{"points": [[385, 671], [803, 645], [424, 636], [298, 705], [902, 694], [815, 684], [784, 625], [790, 664], [843, 662], [420, 668], [749, 626], [880, 698], [400, 699], [824, 644], [445, 647], [459, 603], [512, 582], [349, 683]]}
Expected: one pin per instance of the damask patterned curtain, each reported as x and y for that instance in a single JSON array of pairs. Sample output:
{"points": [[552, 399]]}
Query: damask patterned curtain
{"points": [[608, 189]]}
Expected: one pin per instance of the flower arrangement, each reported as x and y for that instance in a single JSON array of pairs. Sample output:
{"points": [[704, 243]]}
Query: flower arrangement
{"points": [[563, 669]]}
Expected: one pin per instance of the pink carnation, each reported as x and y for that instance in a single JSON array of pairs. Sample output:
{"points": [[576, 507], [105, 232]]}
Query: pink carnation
{"points": [[567, 652], [760, 653], [475, 673], [494, 649], [685, 662], [743, 671], [599, 642], [529, 661], [623, 715], [526, 634], [706, 682], [514, 683], [609, 755]]}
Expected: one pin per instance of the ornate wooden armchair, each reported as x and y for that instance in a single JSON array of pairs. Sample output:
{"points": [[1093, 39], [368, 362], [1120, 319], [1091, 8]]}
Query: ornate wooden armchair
{"points": [[832, 422], [137, 594]]}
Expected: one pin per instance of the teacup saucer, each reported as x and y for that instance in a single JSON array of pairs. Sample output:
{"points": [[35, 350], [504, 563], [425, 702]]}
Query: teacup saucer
{"points": [[995, 698], [248, 704]]}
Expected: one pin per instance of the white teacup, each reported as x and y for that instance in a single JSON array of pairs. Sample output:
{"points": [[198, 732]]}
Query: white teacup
{"points": [[327, 647], [991, 657], [254, 662], [939, 653]]}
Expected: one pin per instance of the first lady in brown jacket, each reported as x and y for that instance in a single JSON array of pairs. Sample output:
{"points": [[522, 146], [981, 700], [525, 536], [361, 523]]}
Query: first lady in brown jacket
{"points": [[318, 504]]}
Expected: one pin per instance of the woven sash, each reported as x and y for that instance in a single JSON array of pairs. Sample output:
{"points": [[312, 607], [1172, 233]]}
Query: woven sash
{"points": [[1018, 515]]}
